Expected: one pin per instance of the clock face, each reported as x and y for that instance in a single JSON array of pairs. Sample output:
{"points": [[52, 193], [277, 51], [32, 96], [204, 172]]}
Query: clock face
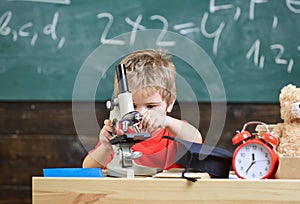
{"points": [[253, 161]]}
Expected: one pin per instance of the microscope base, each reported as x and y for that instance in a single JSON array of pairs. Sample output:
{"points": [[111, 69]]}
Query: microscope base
{"points": [[116, 167], [130, 172]]}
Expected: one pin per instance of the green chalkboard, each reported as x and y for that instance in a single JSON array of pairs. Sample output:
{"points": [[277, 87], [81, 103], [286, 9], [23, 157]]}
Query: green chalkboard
{"points": [[63, 50]]}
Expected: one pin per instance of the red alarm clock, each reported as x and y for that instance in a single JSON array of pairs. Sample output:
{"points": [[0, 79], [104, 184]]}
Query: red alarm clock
{"points": [[256, 156]]}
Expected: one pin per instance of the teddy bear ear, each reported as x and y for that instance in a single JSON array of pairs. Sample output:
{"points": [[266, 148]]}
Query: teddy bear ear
{"points": [[287, 90], [297, 93]]}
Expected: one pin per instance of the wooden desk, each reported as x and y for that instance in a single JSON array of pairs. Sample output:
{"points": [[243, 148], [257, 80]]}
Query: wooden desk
{"points": [[163, 191]]}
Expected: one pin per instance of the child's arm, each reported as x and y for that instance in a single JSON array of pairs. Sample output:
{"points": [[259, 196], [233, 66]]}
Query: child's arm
{"points": [[183, 130], [99, 156], [157, 118]]}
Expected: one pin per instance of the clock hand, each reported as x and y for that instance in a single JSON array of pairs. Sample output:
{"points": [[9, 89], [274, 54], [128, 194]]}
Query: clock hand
{"points": [[253, 162], [261, 160], [250, 166]]}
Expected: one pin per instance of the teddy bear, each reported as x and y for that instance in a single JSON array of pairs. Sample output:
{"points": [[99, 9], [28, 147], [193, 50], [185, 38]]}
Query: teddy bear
{"points": [[288, 131]]}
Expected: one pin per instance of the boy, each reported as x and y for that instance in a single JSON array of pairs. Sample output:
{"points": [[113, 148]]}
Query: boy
{"points": [[151, 79]]}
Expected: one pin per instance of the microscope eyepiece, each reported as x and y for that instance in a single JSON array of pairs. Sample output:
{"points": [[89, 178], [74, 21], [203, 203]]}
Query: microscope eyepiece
{"points": [[122, 79]]}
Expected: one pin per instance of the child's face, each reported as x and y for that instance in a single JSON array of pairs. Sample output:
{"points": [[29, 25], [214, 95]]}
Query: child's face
{"points": [[145, 102]]}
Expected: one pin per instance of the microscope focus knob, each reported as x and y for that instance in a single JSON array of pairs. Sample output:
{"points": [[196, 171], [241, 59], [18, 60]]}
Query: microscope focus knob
{"points": [[109, 104]]}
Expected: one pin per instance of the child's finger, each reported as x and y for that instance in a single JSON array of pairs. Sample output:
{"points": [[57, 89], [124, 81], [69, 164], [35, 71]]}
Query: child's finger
{"points": [[145, 121], [108, 122], [120, 132], [105, 133]]}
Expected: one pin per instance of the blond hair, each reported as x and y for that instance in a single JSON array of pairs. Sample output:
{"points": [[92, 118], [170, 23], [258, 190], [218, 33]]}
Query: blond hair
{"points": [[151, 71]]}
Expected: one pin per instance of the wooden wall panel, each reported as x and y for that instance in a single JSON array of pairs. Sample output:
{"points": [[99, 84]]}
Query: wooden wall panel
{"points": [[25, 155], [37, 135], [45, 117], [15, 194]]}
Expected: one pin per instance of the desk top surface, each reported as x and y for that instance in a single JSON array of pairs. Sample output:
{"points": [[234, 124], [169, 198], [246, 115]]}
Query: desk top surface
{"points": [[154, 190]]}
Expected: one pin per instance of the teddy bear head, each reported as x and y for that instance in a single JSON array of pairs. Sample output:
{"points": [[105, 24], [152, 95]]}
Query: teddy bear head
{"points": [[290, 104]]}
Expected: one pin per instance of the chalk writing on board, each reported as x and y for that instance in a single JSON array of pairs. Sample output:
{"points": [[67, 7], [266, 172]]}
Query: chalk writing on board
{"points": [[254, 50], [292, 5], [25, 30], [279, 57], [259, 59], [215, 35], [136, 25], [213, 7], [188, 27], [275, 22], [183, 28], [103, 38], [161, 36], [202, 26]]}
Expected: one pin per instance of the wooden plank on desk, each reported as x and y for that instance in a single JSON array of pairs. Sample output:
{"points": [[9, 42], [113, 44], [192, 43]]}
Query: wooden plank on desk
{"points": [[173, 191]]}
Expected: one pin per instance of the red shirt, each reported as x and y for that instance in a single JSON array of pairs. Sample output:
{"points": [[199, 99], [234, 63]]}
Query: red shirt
{"points": [[156, 151]]}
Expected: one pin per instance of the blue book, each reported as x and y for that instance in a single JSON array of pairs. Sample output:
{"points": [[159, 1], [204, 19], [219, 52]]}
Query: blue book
{"points": [[73, 172]]}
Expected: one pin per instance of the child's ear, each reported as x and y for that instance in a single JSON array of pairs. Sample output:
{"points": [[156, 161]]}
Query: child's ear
{"points": [[170, 107]]}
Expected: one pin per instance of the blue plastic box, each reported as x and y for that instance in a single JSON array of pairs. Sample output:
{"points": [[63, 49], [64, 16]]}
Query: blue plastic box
{"points": [[73, 172]]}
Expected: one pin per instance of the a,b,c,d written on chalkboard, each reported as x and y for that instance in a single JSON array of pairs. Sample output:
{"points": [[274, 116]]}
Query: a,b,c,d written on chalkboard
{"points": [[254, 44]]}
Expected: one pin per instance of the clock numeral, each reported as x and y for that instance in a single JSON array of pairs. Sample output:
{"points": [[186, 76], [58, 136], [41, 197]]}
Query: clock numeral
{"points": [[266, 169], [241, 168], [243, 154], [239, 161], [253, 175], [254, 147], [266, 155], [247, 149]]}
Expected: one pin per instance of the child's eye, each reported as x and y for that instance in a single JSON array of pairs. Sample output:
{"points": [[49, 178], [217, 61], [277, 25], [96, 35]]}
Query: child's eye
{"points": [[150, 106]]}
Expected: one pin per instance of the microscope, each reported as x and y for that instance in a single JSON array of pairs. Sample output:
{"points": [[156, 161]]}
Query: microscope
{"points": [[123, 116]]}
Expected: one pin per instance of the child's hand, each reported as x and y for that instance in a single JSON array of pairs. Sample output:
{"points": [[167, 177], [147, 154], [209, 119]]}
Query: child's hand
{"points": [[153, 119], [106, 133]]}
